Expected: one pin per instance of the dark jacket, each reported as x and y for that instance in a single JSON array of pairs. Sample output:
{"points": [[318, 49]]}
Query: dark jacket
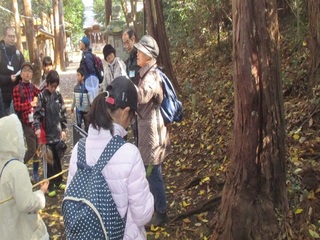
{"points": [[51, 113], [132, 67], [9, 54], [87, 63]]}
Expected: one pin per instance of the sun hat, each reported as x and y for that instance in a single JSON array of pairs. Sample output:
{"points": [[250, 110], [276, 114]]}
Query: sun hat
{"points": [[148, 46]]}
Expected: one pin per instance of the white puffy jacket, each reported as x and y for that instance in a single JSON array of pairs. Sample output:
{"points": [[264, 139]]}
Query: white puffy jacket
{"points": [[126, 177], [19, 218]]}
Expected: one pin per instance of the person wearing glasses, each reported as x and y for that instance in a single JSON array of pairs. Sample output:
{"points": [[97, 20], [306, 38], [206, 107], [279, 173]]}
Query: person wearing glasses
{"points": [[11, 60], [129, 38]]}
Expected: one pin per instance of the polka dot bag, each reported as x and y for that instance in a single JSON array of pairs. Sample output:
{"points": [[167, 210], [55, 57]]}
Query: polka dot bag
{"points": [[89, 211]]}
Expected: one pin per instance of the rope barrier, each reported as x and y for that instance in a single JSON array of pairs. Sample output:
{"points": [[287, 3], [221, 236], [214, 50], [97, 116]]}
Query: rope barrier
{"points": [[38, 183]]}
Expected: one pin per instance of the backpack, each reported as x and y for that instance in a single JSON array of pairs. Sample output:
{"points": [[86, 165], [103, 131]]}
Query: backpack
{"points": [[98, 67], [89, 211], [170, 108]]}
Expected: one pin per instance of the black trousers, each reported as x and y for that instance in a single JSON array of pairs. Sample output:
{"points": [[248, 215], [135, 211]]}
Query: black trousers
{"points": [[55, 168]]}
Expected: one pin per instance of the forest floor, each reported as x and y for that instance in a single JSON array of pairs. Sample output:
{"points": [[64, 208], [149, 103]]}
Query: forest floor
{"points": [[201, 145]]}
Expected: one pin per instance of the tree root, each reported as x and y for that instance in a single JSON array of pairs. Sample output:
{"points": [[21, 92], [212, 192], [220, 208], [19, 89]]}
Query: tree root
{"points": [[201, 207]]}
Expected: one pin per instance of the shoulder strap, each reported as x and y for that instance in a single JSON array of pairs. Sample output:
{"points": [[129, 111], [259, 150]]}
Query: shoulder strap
{"points": [[152, 67], [82, 151], [115, 143], [7, 164]]}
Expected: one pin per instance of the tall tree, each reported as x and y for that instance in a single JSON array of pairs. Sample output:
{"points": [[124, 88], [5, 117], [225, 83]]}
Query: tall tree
{"points": [[74, 15], [314, 42], [17, 23], [31, 41], [255, 187], [62, 36], [156, 28], [57, 58], [108, 11]]}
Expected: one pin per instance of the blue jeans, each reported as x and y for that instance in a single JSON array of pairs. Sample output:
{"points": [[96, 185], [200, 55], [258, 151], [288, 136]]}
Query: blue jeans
{"points": [[157, 189]]}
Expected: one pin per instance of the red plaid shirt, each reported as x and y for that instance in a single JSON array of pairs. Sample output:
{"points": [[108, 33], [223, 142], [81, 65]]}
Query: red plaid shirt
{"points": [[23, 95]]}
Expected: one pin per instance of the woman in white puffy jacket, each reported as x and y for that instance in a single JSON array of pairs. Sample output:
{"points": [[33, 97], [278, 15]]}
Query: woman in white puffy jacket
{"points": [[110, 114]]}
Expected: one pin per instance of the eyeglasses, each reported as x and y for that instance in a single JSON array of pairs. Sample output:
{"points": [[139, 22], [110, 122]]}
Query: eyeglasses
{"points": [[126, 43]]}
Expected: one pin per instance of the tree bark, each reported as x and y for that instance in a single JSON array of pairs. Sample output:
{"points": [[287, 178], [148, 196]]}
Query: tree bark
{"points": [[57, 57], [314, 42], [62, 37], [29, 28], [156, 28], [255, 188], [31, 41], [108, 10], [17, 23]]}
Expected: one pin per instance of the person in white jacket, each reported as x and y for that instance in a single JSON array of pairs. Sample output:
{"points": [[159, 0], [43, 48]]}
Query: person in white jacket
{"points": [[110, 114], [114, 68], [19, 217]]}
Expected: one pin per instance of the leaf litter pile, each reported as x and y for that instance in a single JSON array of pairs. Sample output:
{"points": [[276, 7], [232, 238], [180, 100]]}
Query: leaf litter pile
{"points": [[201, 145]]}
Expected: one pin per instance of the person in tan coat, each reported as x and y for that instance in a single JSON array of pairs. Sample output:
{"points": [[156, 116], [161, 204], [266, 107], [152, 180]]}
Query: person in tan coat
{"points": [[153, 137], [19, 217]]}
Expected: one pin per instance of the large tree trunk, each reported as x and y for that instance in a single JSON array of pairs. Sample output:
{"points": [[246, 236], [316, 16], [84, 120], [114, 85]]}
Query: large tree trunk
{"points": [[31, 41], [156, 28], [108, 6], [57, 57], [62, 37], [314, 43], [29, 28], [255, 187], [17, 23]]}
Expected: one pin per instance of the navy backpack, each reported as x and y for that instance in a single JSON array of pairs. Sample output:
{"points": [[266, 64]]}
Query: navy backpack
{"points": [[171, 107], [89, 211]]}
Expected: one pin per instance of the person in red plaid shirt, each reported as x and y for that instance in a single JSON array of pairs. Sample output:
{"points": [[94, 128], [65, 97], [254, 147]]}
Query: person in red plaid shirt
{"points": [[25, 98]]}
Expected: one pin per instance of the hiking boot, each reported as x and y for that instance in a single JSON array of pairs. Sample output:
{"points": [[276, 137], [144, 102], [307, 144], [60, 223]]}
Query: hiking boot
{"points": [[52, 193], [158, 219], [62, 186]]}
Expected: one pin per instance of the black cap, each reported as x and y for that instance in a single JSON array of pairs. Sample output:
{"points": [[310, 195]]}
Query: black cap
{"points": [[123, 93], [148, 46], [27, 64]]}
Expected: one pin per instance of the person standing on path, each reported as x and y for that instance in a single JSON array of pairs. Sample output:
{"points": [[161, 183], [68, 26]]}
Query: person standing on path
{"points": [[11, 60], [129, 38], [25, 99], [19, 217], [115, 66], [87, 63], [153, 141], [50, 124], [87, 60]]}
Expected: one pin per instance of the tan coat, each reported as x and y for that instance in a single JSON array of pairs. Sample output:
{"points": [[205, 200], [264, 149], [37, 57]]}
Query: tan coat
{"points": [[154, 143], [19, 217]]}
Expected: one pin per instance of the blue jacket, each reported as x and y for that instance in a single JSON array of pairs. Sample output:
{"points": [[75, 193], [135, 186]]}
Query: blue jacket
{"points": [[87, 63]]}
